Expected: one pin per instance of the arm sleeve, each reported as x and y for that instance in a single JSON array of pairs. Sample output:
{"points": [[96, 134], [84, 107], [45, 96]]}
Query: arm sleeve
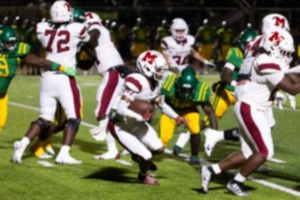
{"points": [[166, 109]]}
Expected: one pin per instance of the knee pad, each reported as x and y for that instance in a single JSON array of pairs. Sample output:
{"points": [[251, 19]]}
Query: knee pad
{"points": [[44, 125], [73, 124]]}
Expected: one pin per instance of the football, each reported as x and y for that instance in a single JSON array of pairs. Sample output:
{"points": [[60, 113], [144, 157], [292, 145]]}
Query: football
{"points": [[141, 106]]}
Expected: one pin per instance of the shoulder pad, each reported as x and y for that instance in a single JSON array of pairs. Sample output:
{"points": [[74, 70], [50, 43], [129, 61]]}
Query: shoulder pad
{"points": [[135, 82]]}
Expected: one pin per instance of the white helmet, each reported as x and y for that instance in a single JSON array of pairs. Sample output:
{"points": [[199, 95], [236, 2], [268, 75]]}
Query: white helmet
{"points": [[92, 17], [179, 24], [275, 20], [279, 43], [150, 63], [61, 11]]}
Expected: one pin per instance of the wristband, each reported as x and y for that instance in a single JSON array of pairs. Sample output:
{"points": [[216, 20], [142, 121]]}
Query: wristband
{"points": [[233, 83], [54, 66], [61, 68]]}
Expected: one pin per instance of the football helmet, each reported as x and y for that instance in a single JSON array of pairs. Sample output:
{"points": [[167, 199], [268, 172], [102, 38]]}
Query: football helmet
{"points": [[151, 64], [275, 20], [279, 43], [61, 12], [78, 14], [92, 17], [8, 38], [186, 84], [245, 36], [178, 24]]}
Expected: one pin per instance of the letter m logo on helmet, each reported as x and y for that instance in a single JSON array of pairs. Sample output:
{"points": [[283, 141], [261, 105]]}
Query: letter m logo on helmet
{"points": [[149, 57], [276, 38], [279, 21]]}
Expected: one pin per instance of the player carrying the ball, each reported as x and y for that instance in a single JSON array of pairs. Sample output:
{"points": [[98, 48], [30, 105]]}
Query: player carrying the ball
{"points": [[140, 95]]}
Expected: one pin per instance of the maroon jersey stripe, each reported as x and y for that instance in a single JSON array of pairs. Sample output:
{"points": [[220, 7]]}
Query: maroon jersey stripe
{"points": [[269, 66], [135, 82], [109, 90], [76, 97], [254, 131]]}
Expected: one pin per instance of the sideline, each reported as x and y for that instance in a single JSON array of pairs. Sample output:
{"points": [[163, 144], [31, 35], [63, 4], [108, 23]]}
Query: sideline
{"points": [[263, 182]]}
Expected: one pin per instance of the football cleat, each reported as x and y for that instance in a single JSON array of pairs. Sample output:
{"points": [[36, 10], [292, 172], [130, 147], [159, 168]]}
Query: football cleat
{"points": [[147, 179], [108, 156], [67, 159], [177, 150], [237, 188], [206, 176], [18, 152], [211, 138], [194, 160]]}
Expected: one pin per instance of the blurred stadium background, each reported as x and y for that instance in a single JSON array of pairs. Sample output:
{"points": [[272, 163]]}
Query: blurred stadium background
{"points": [[123, 13]]}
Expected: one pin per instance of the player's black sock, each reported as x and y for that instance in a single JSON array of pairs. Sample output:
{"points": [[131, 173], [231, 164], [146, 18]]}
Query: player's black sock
{"points": [[232, 134]]}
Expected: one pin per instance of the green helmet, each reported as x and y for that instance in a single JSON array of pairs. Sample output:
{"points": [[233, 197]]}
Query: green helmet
{"points": [[78, 14], [8, 35], [245, 36], [186, 84]]}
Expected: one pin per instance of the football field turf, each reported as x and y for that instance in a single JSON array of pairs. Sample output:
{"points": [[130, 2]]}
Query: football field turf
{"points": [[117, 179]]}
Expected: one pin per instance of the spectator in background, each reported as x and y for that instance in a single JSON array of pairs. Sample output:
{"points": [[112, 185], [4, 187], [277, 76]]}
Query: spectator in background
{"points": [[205, 38], [224, 41], [161, 32], [139, 39]]}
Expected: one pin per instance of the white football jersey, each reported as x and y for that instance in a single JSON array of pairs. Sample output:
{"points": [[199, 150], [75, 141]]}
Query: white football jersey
{"points": [[107, 54], [266, 73], [61, 42], [250, 53], [178, 52], [137, 87]]}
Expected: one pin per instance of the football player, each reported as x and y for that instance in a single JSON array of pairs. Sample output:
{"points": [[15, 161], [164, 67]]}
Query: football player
{"points": [[131, 128], [184, 93], [140, 39], [113, 71], [12, 53], [42, 148], [60, 38], [224, 42], [179, 46], [268, 22], [205, 39], [251, 111]]}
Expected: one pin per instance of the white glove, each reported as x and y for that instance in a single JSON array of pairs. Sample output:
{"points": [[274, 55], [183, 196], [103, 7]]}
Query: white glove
{"points": [[206, 62], [99, 133]]}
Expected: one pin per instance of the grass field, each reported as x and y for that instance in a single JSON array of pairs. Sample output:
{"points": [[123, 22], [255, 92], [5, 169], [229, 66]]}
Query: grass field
{"points": [[109, 179]]}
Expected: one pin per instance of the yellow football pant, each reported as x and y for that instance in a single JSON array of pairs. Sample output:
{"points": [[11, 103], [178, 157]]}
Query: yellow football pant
{"points": [[168, 125], [3, 111], [222, 100], [223, 52], [206, 51]]}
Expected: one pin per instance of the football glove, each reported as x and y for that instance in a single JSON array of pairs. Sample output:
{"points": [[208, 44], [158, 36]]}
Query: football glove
{"points": [[67, 70], [206, 62]]}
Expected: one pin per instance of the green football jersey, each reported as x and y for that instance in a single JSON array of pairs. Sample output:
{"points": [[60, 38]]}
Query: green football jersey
{"points": [[9, 63], [235, 57], [201, 95]]}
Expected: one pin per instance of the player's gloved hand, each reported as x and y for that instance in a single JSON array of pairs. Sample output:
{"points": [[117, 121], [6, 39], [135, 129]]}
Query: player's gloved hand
{"points": [[68, 71], [147, 115], [215, 85], [206, 62], [180, 120]]}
